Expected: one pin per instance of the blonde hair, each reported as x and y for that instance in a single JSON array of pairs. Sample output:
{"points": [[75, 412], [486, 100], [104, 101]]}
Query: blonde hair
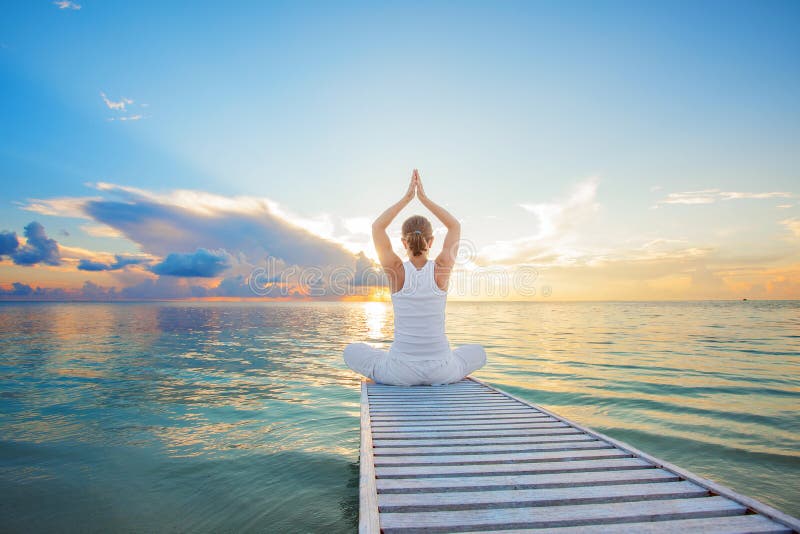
{"points": [[417, 231]]}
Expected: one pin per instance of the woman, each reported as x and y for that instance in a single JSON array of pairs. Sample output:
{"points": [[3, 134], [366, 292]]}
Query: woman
{"points": [[420, 353]]}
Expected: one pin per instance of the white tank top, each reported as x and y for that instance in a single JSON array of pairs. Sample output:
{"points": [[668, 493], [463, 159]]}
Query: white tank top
{"points": [[419, 308]]}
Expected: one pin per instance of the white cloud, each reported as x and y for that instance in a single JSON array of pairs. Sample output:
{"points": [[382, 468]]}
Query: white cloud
{"points": [[127, 118], [358, 225], [557, 231], [119, 106], [66, 4], [100, 230], [710, 196], [793, 225], [64, 206], [556, 217]]}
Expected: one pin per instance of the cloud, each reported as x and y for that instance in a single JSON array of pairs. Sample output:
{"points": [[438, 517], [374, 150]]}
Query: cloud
{"points": [[558, 222], [556, 217], [8, 243], [119, 263], [249, 228], [368, 273], [38, 248], [202, 263], [793, 225], [127, 118], [710, 196], [66, 4], [121, 108], [60, 206], [96, 230], [117, 106]]}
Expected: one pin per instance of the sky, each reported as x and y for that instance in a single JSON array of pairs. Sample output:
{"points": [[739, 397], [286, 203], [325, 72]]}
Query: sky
{"points": [[591, 150]]}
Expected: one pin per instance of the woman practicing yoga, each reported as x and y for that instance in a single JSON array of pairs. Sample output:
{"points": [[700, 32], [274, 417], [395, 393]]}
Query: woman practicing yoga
{"points": [[420, 353]]}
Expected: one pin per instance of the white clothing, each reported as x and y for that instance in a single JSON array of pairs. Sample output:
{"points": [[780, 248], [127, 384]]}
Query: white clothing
{"points": [[420, 353], [384, 368]]}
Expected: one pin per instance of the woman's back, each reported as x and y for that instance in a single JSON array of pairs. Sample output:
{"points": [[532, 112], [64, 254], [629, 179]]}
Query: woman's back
{"points": [[419, 315], [420, 353]]}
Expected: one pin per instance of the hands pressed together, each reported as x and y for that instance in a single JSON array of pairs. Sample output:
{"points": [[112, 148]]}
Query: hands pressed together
{"points": [[415, 187]]}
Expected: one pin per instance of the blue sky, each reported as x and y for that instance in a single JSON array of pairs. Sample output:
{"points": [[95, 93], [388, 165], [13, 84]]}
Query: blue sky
{"points": [[324, 109]]}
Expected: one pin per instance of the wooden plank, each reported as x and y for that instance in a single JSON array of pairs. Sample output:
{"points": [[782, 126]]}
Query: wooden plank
{"points": [[515, 481], [444, 394], [488, 449], [737, 524], [381, 425], [452, 411], [423, 389], [368, 519], [515, 457], [519, 468], [529, 414], [438, 398], [377, 408], [443, 404], [570, 436], [465, 500], [450, 395], [556, 516], [475, 433], [460, 427], [394, 395], [719, 489]]}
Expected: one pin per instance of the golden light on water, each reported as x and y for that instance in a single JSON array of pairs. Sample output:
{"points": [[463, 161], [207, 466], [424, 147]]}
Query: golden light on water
{"points": [[375, 313]]}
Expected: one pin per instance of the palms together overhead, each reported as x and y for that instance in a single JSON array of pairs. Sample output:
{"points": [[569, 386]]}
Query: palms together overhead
{"points": [[415, 187]]}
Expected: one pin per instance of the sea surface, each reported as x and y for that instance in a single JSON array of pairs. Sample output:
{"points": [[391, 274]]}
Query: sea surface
{"points": [[228, 417]]}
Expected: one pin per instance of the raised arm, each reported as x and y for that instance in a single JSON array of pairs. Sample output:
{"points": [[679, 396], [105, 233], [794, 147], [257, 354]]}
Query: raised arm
{"points": [[391, 262], [447, 257]]}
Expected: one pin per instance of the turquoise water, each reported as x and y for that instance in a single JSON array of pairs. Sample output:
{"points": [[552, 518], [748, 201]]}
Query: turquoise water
{"points": [[218, 417]]}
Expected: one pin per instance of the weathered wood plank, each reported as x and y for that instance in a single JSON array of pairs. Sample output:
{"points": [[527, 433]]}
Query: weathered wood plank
{"points": [[476, 433], [477, 410], [568, 515], [374, 397], [444, 402], [423, 389], [440, 406], [737, 524], [568, 435], [368, 518], [516, 457], [499, 420], [489, 449], [511, 468], [529, 414], [516, 481], [460, 427], [465, 500], [444, 393]]}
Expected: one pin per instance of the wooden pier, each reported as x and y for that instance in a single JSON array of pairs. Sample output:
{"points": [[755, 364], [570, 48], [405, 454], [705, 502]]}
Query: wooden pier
{"points": [[469, 457]]}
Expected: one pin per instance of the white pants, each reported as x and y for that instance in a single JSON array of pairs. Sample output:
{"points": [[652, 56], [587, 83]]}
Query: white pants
{"points": [[386, 368]]}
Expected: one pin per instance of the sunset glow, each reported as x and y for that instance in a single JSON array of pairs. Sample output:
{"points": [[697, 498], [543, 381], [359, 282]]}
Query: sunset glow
{"points": [[646, 160]]}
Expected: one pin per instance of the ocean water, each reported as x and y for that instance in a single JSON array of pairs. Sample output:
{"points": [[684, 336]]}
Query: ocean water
{"points": [[227, 417]]}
